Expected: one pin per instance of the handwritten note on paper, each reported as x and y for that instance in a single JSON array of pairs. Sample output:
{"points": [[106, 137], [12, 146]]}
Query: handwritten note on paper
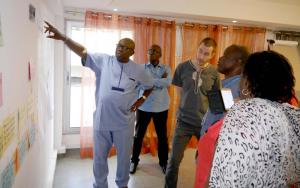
{"points": [[1, 91], [16, 161], [7, 176], [9, 130], [1, 35], [1, 141], [31, 136], [22, 148], [29, 71], [30, 110], [21, 120]]}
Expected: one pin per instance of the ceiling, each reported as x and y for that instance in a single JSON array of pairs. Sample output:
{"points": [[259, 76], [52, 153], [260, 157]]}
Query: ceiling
{"points": [[102, 4], [272, 14]]}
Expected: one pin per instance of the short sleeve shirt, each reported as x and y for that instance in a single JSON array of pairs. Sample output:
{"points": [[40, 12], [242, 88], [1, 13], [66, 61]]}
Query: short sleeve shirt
{"points": [[194, 102]]}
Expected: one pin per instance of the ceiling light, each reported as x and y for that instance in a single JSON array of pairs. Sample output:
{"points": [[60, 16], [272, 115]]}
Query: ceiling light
{"points": [[234, 21], [115, 9]]}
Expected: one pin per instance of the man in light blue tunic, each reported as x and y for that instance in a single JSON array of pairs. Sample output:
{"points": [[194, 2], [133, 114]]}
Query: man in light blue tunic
{"points": [[116, 80]]}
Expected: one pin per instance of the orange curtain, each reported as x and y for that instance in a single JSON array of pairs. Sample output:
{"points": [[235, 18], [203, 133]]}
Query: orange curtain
{"points": [[252, 38], [193, 33], [145, 32]]}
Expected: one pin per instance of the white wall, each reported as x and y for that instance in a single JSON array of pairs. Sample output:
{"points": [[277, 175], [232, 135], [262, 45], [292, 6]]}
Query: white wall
{"points": [[293, 55], [24, 41]]}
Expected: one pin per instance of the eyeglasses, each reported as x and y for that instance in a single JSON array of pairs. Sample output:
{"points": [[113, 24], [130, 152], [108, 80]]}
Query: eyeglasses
{"points": [[152, 51], [123, 47]]}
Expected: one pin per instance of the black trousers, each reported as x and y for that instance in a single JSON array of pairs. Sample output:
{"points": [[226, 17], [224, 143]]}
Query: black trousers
{"points": [[160, 123]]}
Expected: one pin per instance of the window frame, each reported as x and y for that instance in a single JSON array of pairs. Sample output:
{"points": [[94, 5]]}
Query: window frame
{"points": [[67, 129]]}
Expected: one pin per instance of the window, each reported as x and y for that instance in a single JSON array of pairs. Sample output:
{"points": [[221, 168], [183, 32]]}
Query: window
{"points": [[102, 41]]}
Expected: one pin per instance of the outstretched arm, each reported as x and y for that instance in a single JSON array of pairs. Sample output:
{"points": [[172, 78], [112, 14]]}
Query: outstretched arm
{"points": [[56, 35]]}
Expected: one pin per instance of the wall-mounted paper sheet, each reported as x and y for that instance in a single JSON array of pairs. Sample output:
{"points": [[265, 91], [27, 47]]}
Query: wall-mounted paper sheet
{"points": [[9, 130], [1, 35], [1, 91]]}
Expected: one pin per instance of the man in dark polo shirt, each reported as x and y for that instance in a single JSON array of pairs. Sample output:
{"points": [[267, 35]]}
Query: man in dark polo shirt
{"points": [[193, 79]]}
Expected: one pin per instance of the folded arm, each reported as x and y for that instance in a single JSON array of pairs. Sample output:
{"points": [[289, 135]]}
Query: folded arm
{"points": [[165, 80]]}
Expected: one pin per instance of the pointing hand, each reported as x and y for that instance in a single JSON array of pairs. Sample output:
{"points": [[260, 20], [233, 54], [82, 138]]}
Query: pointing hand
{"points": [[53, 32]]}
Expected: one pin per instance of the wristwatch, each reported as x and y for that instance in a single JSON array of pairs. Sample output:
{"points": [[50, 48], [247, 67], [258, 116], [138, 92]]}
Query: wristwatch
{"points": [[144, 97]]}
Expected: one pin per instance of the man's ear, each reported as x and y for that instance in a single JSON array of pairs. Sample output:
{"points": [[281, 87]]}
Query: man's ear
{"points": [[239, 62], [131, 52]]}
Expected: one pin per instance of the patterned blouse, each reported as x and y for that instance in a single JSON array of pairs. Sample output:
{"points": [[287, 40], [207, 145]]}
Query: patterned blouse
{"points": [[258, 146]]}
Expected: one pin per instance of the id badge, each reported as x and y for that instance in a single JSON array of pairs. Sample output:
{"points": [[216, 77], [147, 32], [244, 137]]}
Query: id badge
{"points": [[117, 89]]}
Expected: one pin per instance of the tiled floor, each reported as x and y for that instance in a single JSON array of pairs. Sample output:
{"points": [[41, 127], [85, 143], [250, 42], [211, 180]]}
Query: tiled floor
{"points": [[73, 172]]}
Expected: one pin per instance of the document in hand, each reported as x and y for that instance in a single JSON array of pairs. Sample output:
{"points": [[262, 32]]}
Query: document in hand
{"points": [[220, 100]]}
